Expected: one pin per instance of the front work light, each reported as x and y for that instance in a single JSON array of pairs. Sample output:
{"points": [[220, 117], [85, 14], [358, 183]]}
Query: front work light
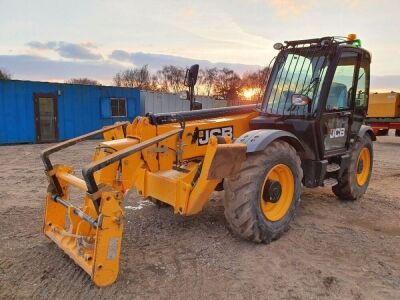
{"points": [[278, 46]]}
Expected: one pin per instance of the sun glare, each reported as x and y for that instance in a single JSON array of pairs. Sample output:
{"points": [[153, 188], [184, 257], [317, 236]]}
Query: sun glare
{"points": [[250, 93]]}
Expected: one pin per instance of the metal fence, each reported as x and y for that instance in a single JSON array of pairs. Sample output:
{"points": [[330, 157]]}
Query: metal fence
{"points": [[156, 102]]}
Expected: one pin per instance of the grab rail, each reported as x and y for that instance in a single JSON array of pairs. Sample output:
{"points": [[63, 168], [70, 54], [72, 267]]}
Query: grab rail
{"points": [[45, 154], [88, 171]]}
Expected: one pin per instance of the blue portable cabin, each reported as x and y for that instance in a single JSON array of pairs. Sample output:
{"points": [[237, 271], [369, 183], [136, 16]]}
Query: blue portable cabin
{"points": [[32, 112]]}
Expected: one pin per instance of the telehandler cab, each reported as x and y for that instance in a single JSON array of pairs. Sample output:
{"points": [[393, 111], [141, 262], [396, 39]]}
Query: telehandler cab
{"points": [[308, 131]]}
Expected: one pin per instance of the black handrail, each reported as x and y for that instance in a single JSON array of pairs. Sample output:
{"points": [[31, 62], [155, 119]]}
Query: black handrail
{"points": [[88, 171], [175, 117], [44, 155]]}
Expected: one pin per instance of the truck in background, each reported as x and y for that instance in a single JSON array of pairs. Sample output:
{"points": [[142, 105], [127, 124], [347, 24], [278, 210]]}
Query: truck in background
{"points": [[384, 113]]}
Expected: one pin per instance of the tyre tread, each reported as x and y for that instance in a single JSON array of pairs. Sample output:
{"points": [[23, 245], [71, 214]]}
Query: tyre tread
{"points": [[240, 192], [347, 188]]}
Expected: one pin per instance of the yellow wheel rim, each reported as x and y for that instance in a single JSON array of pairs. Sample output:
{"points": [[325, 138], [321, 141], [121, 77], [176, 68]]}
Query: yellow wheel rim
{"points": [[276, 206], [363, 166]]}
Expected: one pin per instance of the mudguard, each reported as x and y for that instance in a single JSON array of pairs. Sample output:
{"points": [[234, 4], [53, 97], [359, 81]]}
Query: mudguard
{"points": [[365, 129], [258, 140]]}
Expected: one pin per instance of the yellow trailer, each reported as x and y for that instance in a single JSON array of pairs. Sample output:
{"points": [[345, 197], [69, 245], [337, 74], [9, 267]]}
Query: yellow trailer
{"points": [[384, 105]]}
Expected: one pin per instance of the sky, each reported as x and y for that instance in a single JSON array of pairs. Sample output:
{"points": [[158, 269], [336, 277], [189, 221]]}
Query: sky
{"points": [[58, 40]]}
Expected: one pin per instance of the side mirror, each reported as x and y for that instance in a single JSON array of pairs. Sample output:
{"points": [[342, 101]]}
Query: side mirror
{"points": [[190, 82], [191, 75], [300, 100]]}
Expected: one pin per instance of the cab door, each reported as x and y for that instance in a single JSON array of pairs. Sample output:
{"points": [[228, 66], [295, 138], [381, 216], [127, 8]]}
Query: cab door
{"points": [[360, 106], [46, 117], [337, 116]]}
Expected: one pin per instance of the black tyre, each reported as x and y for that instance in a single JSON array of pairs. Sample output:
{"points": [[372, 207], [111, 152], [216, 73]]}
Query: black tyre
{"points": [[262, 199], [397, 132], [354, 182]]}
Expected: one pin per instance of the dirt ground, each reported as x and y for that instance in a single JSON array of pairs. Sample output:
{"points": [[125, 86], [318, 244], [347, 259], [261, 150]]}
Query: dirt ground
{"points": [[333, 250]]}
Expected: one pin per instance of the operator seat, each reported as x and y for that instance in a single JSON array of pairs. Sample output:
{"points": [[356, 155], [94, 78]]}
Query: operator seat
{"points": [[337, 98]]}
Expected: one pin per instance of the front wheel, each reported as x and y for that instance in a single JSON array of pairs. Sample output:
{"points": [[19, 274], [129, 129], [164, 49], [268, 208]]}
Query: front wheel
{"points": [[262, 199], [354, 182]]}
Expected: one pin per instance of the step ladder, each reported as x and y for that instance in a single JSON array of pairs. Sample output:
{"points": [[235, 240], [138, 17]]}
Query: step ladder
{"points": [[328, 182], [332, 168]]}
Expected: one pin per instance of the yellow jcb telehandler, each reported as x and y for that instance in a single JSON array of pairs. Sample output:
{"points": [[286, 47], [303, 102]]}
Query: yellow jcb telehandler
{"points": [[307, 131]]}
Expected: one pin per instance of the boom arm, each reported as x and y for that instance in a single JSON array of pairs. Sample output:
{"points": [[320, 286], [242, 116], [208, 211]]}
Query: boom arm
{"points": [[166, 162]]}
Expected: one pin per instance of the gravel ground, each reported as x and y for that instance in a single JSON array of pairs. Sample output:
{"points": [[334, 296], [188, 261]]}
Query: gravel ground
{"points": [[333, 250]]}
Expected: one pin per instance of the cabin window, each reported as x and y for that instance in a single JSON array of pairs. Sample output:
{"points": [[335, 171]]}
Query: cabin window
{"points": [[118, 107]]}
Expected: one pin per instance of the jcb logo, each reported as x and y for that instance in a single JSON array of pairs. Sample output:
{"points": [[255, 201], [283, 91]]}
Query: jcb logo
{"points": [[337, 132], [205, 134]]}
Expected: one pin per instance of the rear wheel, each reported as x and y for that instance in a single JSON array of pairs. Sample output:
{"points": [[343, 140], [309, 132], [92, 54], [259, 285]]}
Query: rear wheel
{"points": [[354, 182], [263, 198], [397, 132]]}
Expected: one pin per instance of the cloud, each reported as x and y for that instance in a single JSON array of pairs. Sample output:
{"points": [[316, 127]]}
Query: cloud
{"points": [[120, 55], [89, 45], [83, 63], [68, 50], [31, 67], [157, 61], [285, 8], [42, 46]]}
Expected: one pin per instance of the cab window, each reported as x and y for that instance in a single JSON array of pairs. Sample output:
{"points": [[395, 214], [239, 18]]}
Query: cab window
{"points": [[296, 73], [361, 100], [342, 84]]}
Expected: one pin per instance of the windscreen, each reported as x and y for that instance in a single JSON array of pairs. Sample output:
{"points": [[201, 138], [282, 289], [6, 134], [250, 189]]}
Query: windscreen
{"points": [[296, 71]]}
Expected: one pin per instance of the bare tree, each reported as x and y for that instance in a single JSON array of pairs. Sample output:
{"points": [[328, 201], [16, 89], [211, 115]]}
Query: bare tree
{"points": [[85, 81], [254, 80], [222, 83], [171, 78], [4, 75], [136, 78], [154, 86], [227, 84], [156, 83], [118, 79], [142, 77], [207, 79]]}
